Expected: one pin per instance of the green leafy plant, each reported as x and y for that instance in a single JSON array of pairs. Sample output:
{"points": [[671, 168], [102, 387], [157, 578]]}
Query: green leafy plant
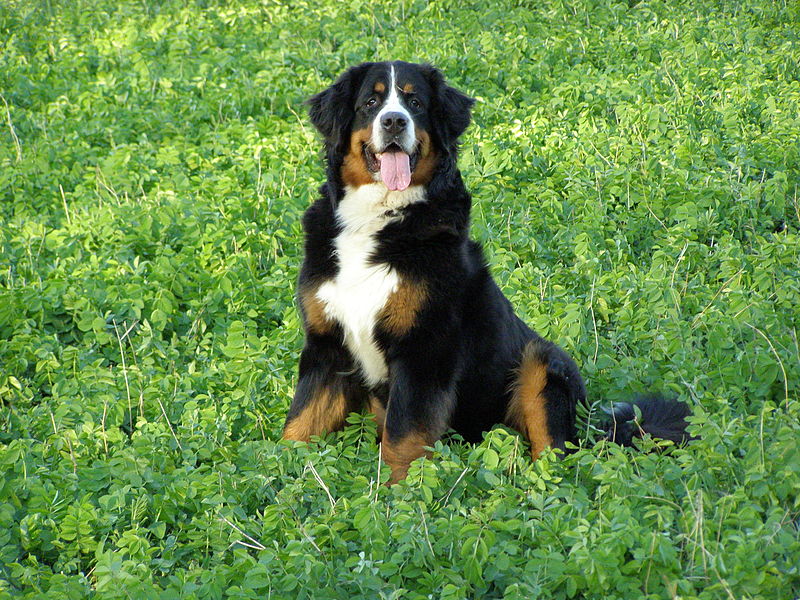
{"points": [[635, 172]]}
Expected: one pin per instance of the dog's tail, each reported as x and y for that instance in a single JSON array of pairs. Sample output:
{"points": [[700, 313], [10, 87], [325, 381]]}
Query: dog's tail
{"points": [[660, 417]]}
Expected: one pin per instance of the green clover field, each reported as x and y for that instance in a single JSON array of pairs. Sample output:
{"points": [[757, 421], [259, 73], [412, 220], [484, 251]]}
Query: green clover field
{"points": [[635, 171]]}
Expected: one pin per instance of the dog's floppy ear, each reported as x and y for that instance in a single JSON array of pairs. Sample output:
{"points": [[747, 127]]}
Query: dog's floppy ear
{"points": [[331, 111], [453, 107]]}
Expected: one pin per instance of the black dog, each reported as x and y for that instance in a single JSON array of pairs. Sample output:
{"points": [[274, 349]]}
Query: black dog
{"points": [[401, 314]]}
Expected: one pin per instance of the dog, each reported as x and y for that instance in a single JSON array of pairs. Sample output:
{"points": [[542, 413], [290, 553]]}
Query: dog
{"points": [[402, 317]]}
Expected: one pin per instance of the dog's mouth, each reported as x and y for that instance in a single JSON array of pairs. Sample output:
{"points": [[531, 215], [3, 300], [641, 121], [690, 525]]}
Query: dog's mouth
{"points": [[393, 163]]}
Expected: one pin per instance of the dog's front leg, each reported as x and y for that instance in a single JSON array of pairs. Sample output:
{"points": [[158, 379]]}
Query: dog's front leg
{"points": [[327, 390], [421, 400]]}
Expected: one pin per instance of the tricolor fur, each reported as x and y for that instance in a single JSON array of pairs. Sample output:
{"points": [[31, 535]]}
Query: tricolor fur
{"points": [[402, 317]]}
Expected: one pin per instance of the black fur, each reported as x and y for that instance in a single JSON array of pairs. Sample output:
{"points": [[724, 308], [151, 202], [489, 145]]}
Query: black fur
{"points": [[331, 111], [658, 416], [458, 364]]}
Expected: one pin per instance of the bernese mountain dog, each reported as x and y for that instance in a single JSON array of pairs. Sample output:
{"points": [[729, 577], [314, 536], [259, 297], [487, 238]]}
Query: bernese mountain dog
{"points": [[402, 317]]}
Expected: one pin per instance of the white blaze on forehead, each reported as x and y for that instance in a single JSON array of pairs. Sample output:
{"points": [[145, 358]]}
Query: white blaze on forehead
{"points": [[393, 104]]}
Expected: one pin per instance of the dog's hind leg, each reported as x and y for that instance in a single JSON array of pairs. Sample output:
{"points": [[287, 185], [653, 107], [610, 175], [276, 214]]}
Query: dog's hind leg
{"points": [[546, 388]]}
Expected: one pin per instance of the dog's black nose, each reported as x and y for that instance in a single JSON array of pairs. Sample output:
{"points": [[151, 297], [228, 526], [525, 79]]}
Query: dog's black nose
{"points": [[394, 122]]}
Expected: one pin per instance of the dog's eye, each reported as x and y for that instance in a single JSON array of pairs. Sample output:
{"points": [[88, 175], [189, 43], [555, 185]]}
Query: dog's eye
{"points": [[372, 102], [414, 103]]}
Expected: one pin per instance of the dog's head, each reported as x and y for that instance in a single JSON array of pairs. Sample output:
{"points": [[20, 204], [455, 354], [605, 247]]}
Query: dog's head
{"points": [[394, 122]]}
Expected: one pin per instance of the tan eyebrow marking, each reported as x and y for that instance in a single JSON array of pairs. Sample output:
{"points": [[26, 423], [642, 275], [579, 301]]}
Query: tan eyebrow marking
{"points": [[380, 87], [408, 88]]}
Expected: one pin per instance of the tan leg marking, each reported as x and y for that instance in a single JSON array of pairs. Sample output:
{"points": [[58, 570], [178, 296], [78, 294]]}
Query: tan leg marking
{"points": [[323, 413], [527, 411], [377, 409], [399, 314], [398, 454]]}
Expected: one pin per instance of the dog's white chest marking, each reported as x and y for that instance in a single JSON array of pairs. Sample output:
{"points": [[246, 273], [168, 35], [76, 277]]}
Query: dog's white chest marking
{"points": [[358, 293]]}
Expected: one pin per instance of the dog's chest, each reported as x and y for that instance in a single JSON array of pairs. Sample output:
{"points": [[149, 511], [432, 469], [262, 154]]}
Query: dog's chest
{"points": [[357, 295]]}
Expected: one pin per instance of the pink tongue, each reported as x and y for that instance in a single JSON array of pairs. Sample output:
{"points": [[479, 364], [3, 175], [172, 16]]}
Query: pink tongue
{"points": [[395, 170]]}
